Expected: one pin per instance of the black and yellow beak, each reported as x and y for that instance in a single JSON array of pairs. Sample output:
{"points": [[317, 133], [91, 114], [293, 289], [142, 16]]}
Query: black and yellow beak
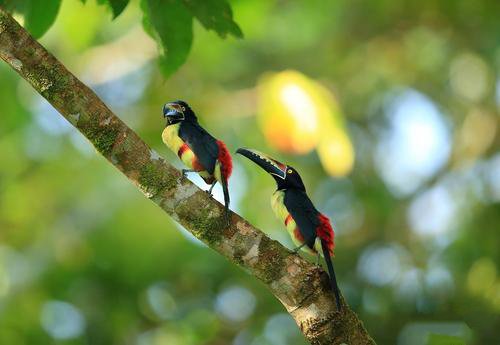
{"points": [[267, 163], [173, 112]]}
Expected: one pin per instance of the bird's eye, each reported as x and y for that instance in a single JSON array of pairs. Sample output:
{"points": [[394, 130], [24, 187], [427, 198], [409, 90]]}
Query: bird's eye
{"points": [[290, 171]]}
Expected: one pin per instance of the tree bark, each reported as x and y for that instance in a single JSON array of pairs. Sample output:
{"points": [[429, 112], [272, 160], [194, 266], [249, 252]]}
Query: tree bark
{"points": [[302, 287]]}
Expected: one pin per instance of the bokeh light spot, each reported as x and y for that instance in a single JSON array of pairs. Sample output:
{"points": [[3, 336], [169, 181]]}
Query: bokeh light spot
{"points": [[297, 114], [62, 320], [336, 153], [481, 276], [432, 212], [300, 106], [409, 285], [439, 282], [493, 177], [280, 329], [161, 301], [235, 304], [416, 144], [469, 76], [470, 145], [381, 265]]}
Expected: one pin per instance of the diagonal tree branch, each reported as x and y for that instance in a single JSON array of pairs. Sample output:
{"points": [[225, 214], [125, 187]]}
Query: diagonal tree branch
{"points": [[301, 287]]}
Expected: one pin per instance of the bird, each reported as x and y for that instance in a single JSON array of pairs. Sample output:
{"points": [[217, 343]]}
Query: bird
{"points": [[197, 149], [310, 230]]}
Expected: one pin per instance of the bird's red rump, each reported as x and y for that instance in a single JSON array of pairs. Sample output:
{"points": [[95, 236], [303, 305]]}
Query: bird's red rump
{"points": [[225, 160], [325, 232], [288, 219]]}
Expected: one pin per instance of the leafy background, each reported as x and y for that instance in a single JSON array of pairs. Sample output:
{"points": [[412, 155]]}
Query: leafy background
{"points": [[402, 152]]}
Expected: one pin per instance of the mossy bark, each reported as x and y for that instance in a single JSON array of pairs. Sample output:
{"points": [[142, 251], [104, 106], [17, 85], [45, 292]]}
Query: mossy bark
{"points": [[302, 287]]}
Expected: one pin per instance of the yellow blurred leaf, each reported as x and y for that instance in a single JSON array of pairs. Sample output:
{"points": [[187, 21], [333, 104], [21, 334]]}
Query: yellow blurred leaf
{"points": [[297, 114], [336, 153], [289, 111], [482, 276]]}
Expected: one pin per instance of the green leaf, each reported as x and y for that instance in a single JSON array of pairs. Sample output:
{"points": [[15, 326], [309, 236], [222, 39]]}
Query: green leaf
{"points": [[117, 6], [171, 24], [215, 15], [40, 15]]}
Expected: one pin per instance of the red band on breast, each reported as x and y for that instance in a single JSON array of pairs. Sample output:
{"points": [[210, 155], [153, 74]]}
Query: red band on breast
{"points": [[298, 235], [182, 149]]}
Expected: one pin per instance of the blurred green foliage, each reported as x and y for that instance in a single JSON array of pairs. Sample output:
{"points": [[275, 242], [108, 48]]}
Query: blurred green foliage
{"points": [[38, 15], [169, 22], [86, 259]]}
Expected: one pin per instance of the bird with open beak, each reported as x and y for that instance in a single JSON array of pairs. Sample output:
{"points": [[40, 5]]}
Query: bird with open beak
{"points": [[310, 230], [196, 148]]}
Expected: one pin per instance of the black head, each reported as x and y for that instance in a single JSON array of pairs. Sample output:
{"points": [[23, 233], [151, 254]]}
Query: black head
{"points": [[178, 111], [286, 177]]}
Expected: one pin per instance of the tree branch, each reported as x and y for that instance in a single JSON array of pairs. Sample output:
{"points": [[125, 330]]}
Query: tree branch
{"points": [[301, 287]]}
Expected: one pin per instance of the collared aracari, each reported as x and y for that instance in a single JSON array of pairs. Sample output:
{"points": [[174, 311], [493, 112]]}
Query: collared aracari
{"points": [[310, 230], [196, 148]]}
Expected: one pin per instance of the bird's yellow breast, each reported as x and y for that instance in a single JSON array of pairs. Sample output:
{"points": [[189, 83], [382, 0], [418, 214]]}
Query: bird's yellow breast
{"points": [[281, 212], [278, 205], [170, 137], [174, 142]]}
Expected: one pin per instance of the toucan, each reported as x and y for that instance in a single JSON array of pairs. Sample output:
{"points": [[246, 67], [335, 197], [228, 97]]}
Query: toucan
{"points": [[197, 149], [310, 230]]}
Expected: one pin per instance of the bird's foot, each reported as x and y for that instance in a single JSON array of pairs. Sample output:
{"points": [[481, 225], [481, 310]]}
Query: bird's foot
{"points": [[209, 191], [185, 172], [296, 250], [227, 218]]}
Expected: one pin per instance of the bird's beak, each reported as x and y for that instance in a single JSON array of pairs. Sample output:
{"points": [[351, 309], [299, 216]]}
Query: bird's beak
{"points": [[172, 112], [267, 163]]}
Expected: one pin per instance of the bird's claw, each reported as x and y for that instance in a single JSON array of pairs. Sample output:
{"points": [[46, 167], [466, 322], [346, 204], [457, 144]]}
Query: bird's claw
{"points": [[296, 250], [227, 218]]}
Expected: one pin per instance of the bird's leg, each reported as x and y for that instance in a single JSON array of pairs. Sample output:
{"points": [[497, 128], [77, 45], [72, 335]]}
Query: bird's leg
{"points": [[227, 216], [209, 191], [317, 259], [185, 171], [296, 250]]}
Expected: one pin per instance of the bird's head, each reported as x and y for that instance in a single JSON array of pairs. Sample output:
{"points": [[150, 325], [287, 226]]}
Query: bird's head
{"points": [[178, 111], [286, 177]]}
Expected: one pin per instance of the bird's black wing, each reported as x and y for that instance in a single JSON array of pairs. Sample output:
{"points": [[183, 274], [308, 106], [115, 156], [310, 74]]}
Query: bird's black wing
{"points": [[303, 213], [203, 145]]}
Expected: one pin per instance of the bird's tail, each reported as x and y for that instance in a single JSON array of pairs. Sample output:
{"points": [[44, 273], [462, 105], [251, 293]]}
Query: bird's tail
{"points": [[331, 272], [225, 190]]}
